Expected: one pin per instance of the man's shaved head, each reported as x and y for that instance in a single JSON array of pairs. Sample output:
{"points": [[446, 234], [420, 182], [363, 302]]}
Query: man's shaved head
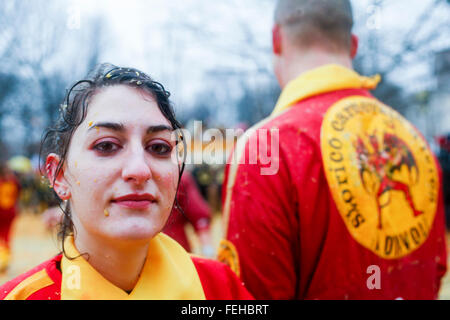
{"points": [[325, 23]]}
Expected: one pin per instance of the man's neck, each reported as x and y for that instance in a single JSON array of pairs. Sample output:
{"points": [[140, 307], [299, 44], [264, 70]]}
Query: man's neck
{"points": [[299, 63]]}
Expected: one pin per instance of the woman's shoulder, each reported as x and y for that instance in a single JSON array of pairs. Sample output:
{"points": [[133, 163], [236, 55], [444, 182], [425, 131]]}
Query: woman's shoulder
{"points": [[219, 281], [43, 282]]}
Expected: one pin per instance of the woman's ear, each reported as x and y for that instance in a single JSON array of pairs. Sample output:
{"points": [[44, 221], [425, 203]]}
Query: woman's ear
{"points": [[178, 156], [57, 180]]}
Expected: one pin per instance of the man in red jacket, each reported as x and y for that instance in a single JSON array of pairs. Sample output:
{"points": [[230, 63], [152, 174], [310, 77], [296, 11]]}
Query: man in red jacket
{"points": [[354, 208]]}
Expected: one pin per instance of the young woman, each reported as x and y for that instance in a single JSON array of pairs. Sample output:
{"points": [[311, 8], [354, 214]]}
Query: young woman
{"points": [[112, 160]]}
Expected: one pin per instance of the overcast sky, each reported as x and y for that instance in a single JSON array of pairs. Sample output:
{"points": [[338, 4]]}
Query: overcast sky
{"points": [[147, 34]]}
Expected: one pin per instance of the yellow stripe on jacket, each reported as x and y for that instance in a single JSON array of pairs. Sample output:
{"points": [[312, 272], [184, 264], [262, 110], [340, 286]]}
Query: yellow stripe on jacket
{"points": [[30, 285]]}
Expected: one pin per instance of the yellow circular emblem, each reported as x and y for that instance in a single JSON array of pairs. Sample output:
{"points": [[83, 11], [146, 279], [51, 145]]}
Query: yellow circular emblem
{"points": [[382, 176], [227, 254]]}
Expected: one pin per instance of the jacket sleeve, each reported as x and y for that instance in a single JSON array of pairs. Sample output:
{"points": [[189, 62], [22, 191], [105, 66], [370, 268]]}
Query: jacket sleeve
{"points": [[219, 282], [40, 283], [263, 222]]}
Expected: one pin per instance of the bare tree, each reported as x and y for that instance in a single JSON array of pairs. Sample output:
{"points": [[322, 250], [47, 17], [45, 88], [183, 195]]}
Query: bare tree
{"points": [[216, 48], [43, 54], [388, 52]]}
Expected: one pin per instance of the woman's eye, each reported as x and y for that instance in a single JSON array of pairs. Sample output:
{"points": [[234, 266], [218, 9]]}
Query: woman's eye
{"points": [[160, 149], [106, 147]]}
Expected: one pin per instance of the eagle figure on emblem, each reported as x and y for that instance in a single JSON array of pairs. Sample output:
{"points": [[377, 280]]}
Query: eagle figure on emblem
{"points": [[378, 166]]}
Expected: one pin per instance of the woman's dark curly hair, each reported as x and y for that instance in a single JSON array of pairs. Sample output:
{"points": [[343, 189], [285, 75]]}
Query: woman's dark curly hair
{"points": [[73, 111]]}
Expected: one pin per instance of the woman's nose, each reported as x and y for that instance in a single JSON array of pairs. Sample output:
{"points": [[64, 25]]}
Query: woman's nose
{"points": [[136, 168]]}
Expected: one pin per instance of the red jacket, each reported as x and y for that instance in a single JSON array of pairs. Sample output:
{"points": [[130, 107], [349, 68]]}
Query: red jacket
{"points": [[321, 229], [44, 282]]}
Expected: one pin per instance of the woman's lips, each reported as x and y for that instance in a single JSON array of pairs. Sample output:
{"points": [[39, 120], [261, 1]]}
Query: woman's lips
{"points": [[134, 204], [135, 201]]}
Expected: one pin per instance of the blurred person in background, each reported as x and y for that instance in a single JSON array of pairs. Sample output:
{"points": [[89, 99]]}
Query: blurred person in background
{"points": [[192, 209], [204, 177], [444, 159], [9, 199], [355, 209], [52, 217]]}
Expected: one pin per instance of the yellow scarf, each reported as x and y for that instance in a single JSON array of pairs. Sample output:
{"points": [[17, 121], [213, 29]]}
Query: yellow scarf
{"points": [[327, 78], [168, 274]]}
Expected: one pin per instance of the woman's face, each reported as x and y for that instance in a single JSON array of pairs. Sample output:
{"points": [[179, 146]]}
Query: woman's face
{"points": [[119, 170]]}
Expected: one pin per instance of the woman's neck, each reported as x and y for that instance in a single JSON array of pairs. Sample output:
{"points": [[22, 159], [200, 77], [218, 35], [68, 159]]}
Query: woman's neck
{"points": [[118, 262]]}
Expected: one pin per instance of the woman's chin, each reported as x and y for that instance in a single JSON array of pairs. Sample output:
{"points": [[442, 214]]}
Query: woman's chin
{"points": [[133, 236], [133, 231]]}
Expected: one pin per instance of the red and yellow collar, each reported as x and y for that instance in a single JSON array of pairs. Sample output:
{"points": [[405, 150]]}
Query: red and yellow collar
{"points": [[168, 274], [324, 79]]}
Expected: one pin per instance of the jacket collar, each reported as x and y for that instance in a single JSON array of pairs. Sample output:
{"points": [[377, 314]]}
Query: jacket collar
{"points": [[168, 274], [330, 77]]}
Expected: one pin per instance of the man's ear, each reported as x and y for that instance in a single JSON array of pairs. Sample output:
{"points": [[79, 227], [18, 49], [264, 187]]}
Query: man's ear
{"points": [[57, 180], [276, 40], [354, 46]]}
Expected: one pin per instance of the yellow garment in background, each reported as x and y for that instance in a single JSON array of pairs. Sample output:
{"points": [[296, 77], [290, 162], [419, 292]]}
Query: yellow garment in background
{"points": [[5, 257]]}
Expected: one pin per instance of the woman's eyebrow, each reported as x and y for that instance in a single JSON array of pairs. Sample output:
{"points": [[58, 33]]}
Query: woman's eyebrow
{"points": [[120, 127], [158, 128], [108, 125]]}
